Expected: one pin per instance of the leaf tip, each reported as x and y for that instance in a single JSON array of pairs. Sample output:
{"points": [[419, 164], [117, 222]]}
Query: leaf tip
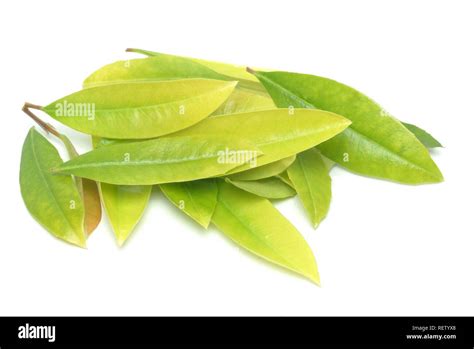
{"points": [[314, 277]]}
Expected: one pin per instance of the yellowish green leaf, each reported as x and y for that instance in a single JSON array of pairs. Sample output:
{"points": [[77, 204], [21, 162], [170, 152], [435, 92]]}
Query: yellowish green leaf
{"points": [[124, 204], [253, 223], [138, 110], [278, 133], [265, 171], [162, 160], [54, 201], [310, 177], [197, 198], [270, 188]]}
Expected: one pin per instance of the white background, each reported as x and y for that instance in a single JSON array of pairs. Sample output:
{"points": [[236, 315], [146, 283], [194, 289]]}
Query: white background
{"points": [[385, 249]]}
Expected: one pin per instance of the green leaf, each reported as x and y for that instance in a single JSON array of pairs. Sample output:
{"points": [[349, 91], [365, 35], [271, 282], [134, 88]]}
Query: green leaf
{"points": [[376, 144], [124, 204], [253, 223], [310, 177], [228, 71], [265, 171], [140, 109], [278, 133], [270, 188], [163, 67], [197, 198], [167, 67], [54, 201], [161, 160], [424, 137]]}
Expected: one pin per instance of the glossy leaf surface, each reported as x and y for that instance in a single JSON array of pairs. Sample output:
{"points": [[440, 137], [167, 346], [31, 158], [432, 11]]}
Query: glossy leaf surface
{"points": [[138, 110], [253, 223], [230, 71], [54, 201], [376, 144], [310, 177], [270, 188], [161, 160], [197, 198], [163, 67], [124, 204], [278, 133]]}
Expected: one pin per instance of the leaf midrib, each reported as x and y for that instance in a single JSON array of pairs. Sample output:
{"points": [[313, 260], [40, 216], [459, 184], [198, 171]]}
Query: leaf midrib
{"points": [[137, 163], [50, 191], [156, 105], [247, 227]]}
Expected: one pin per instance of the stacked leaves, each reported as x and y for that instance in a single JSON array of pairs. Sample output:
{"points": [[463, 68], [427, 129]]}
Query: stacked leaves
{"points": [[221, 142]]}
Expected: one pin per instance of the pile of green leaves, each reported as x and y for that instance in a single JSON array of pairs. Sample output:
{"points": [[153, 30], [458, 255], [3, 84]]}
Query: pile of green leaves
{"points": [[221, 142]]}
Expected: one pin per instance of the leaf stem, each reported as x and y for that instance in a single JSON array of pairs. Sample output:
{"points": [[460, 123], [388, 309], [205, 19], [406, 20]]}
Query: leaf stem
{"points": [[143, 52], [250, 70], [45, 126]]}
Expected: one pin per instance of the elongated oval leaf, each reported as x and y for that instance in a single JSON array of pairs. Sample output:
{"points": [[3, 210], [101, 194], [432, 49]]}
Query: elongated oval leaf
{"points": [[253, 223], [138, 110], [163, 67], [230, 71], [265, 171], [424, 137], [197, 198], [54, 201], [310, 177], [278, 133], [270, 188], [167, 67], [124, 204], [161, 160], [376, 144]]}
